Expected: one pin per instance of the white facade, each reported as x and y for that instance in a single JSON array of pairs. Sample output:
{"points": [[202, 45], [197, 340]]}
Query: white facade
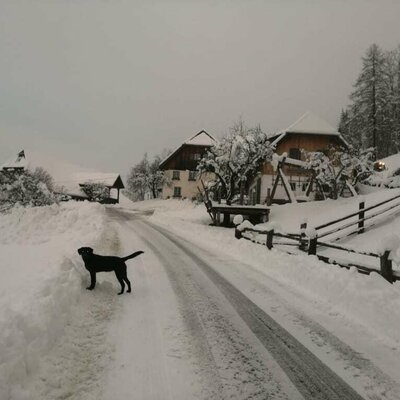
{"points": [[184, 184]]}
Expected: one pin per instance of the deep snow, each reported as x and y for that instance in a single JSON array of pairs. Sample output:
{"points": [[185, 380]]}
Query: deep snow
{"points": [[59, 341]]}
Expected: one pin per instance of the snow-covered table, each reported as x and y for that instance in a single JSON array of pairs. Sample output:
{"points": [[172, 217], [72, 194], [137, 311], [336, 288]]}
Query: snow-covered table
{"points": [[257, 213]]}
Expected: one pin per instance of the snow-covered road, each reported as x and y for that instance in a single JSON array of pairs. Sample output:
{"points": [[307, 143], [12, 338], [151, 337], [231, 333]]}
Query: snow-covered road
{"points": [[189, 332]]}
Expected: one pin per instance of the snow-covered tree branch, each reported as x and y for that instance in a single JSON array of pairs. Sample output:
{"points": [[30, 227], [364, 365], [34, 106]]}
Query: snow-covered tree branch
{"points": [[236, 158], [26, 189], [351, 164]]}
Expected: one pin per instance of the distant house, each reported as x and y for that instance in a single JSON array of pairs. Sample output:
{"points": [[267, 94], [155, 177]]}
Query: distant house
{"points": [[69, 179], [309, 133], [180, 167], [15, 164]]}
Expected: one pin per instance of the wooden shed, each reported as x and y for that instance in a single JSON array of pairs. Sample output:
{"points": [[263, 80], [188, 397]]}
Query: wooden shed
{"points": [[112, 181]]}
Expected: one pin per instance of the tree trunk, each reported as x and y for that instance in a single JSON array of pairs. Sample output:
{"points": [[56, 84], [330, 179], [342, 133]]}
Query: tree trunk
{"points": [[241, 193], [153, 189]]}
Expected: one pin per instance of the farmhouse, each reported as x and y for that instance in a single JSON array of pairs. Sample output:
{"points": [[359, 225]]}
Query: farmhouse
{"points": [[289, 181], [180, 167]]}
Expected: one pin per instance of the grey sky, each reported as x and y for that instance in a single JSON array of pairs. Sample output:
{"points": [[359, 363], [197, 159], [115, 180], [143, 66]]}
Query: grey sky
{"points": [[101, 82]]}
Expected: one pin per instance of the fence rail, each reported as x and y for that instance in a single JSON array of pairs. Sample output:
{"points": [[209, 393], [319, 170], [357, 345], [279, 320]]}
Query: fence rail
{"points": [[310, 244], [361, 218]]}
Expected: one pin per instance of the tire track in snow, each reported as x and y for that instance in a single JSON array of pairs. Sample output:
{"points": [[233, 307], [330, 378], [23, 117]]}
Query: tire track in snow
{"points": [[230, 366], [312, 378]]}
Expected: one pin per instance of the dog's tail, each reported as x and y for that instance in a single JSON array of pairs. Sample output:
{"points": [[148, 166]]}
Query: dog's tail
{"points": [[135, 254]]}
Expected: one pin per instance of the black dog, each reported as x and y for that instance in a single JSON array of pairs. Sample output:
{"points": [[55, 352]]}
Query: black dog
{"points": [[95, 263]]}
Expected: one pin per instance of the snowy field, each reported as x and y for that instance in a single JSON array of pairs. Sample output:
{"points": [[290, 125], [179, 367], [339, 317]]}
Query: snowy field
{"points": [[55, 335]]}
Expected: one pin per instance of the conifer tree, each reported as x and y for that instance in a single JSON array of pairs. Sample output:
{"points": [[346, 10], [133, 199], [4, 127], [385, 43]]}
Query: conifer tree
{"points": [[392, 120], [369, 102]]}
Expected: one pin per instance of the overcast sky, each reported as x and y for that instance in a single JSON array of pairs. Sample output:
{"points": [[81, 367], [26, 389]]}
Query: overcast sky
{"points": [[100, 82]]}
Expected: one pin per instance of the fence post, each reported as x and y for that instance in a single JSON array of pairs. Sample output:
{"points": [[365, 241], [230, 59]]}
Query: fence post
{"points": [[302, 240], [312, 248], [361, 216], [238, 233], [386, 266], [269, 200], [270, 239]]}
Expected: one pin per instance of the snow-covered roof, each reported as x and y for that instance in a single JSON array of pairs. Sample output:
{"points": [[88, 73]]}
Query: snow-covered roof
{"points": [[202, 138], [18, 161], [107, 179], [312, 124]]}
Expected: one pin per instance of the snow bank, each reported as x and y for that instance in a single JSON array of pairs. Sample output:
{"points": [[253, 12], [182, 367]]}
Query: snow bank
{"points": [[42, 278], [40, 224]]}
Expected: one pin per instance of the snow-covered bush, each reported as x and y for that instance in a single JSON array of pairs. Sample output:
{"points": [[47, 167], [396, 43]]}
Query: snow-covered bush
{"points": [[96, 191], [338, 165], [385, 179], [25, 188]]}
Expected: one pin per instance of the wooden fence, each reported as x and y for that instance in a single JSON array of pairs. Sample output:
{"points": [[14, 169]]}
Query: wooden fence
{"points": [[309, 246], [358, 219]]}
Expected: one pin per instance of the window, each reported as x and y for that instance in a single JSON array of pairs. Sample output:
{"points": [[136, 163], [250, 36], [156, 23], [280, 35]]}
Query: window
{"points": [[176, 175], [177, 191], [192, 175], [293, 185], [295, 153]]}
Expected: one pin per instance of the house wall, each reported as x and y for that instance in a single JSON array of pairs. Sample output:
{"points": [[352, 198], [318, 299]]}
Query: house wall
{"points": [[188, 188]]}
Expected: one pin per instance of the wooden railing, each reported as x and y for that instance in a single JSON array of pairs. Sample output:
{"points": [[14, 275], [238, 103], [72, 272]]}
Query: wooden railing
{"points": [[309, 245], [342, 225]]}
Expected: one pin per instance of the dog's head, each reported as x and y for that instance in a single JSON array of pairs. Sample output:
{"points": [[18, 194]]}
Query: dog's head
{"points": [[85, 251]]}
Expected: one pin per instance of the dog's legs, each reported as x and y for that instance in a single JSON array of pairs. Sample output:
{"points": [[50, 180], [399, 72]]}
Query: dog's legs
{"points": [[92, 280], [125, 278], [128, 283], [121, 281]]}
